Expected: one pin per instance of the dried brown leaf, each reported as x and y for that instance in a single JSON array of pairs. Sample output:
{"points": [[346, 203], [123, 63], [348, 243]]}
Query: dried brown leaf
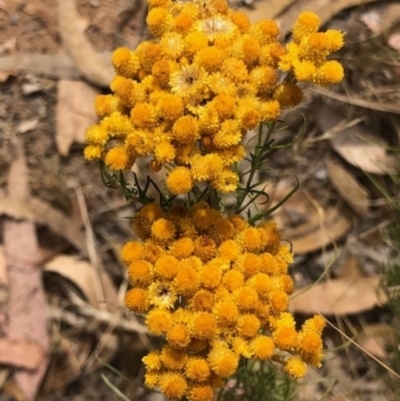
{"points": [[84, 276], [339, 297], [351, 191], [80, 49], [306, 227], [40, 212], [74, 113], [20, 353], [375, 339], [357, 145]]}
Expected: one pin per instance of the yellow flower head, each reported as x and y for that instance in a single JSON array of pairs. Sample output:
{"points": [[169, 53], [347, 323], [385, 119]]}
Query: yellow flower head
{"points": [[288, 95], [211, 274], [179, 181], [166, 267], [187, 280], [158, 322], [204, 326], [93, 152], [139, 272], [202, 300], [241, 20], [173, 359], [159, 21], [125, 62], [118, 159], [173, 385], [197, 369], [223, 361], [307, 23], [248, 326], [178, 335], [185, 129], [182, 248], [201, 393], [209, 58], [205, 248], [233, 279], [163, 230], [136, 300], [295, 367], [263, 347], [226, 312], [152, 360]]}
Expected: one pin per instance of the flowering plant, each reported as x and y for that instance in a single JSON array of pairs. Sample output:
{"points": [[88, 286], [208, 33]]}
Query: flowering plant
{"points": [[209, 281]]}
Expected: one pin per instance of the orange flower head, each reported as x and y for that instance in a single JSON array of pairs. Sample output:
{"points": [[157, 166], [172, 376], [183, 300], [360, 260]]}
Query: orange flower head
{"points": [[178, 335], [173, 385], [248, 326], [223, 361], [202, 301], [204, 326], [163, 230], [233, 279], [246, 298], [131, 251], [136, 300], [197, 369], [262, 347], [173, 359], [139, 272], [159, 321], [166, 267]]}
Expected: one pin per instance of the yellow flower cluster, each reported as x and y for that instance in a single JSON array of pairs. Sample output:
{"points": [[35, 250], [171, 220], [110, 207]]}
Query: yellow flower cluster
{"points": [[188, 97], [216, 289], [306, 56]]}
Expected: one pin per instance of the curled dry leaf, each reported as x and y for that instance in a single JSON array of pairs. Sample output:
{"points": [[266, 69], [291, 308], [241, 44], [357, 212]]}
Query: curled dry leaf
{"points": [[339, 297], [357, 145], [96, 287], [350, 190], [74, 113], [40, 212], [306, 227]]}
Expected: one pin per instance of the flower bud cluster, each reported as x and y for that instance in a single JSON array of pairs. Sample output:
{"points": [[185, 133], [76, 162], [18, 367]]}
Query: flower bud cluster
{"points": [[187, 98], [307, 54], [216, 289]]}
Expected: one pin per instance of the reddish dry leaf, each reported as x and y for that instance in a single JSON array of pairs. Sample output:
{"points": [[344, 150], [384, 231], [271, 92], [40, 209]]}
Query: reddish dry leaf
{"points": [[27, 304], [339, 297], [74, 113], [20, 354]]}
